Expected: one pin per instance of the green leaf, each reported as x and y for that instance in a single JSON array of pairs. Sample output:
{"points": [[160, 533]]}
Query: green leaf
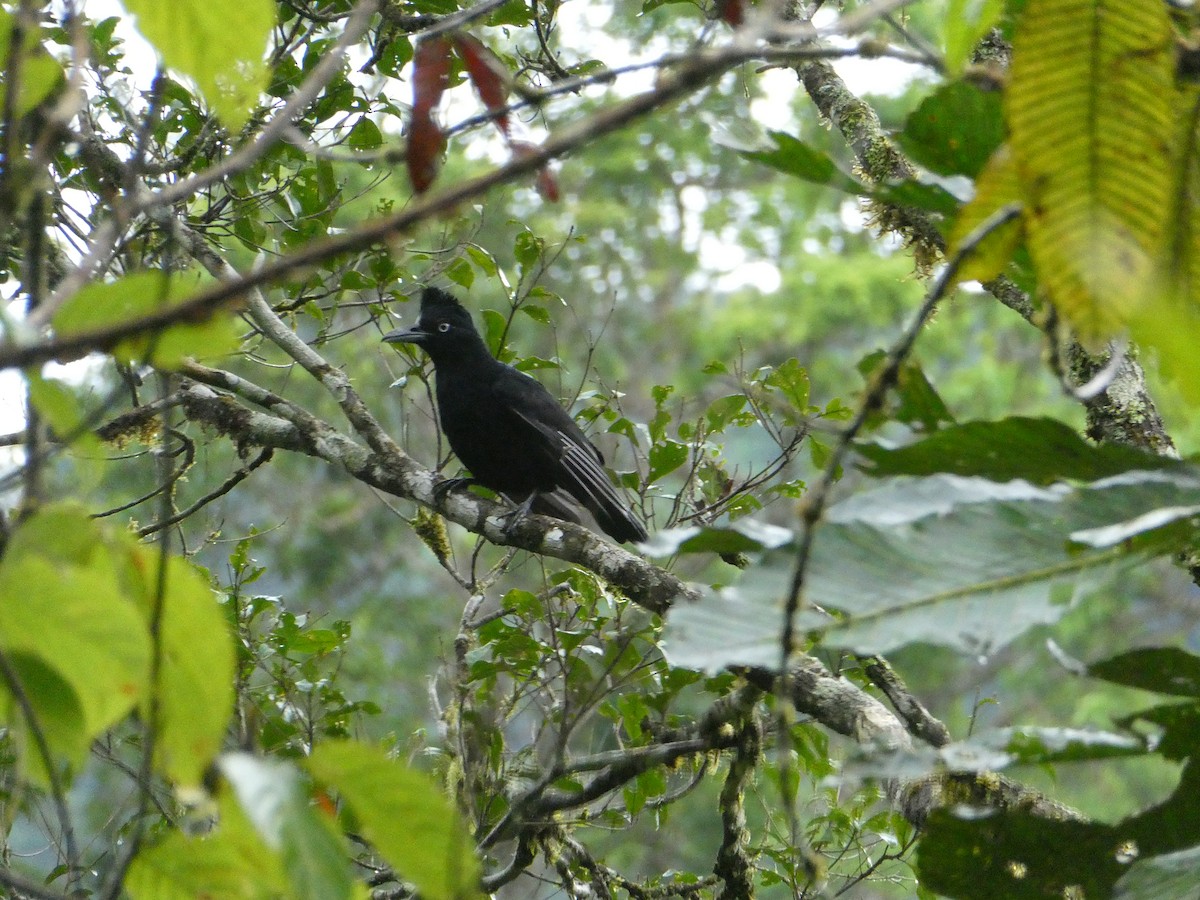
{"points": [[196, 674], [527, 249], [221, 44], [365, 135], [434, 849], [1180, 725], [62, 603], [485, 262], [136, 296], [996, 187], [917, 402], [275, 800], [666, 457], [794, 157], [791, 380], [59, 713], [1167, 670], [1019, 855], [1040, 451], [955, 130], [1089, 102], [722, 410], [907, 192], [539, 314], [232, 862], [60, 408], [40, 72], [1011, 855], [461, 273], [494, 327], [1167, 322]]}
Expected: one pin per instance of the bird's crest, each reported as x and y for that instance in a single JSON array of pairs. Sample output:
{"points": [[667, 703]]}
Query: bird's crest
{"points": [[434, 299]]}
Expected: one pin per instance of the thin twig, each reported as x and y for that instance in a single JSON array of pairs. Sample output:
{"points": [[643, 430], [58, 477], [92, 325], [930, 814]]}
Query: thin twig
{"points": [[224, 488]]}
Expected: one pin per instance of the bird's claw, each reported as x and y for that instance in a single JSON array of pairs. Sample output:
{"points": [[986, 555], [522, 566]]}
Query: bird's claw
{"points": [[446, 485]]}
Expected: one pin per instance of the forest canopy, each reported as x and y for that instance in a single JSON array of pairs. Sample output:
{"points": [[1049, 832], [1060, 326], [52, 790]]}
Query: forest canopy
{"points": [[882, 316]]}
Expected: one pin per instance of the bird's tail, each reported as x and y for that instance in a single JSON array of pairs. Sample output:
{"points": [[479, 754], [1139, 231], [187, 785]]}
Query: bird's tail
{"points": [[608, 511], [616, 520]]}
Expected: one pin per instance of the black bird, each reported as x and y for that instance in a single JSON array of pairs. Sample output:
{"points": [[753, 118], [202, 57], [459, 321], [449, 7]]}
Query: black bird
{"points": [[507, 429]]}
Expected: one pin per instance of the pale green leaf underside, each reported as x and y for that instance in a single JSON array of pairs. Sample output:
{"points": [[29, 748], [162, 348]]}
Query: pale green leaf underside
{"points": [[958, 562]]}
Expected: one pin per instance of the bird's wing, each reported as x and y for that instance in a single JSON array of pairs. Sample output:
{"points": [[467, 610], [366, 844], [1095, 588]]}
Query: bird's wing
{"points": [[578, 465]]}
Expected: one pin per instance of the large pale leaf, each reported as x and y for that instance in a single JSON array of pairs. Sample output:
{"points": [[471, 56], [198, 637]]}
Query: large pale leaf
{"points": [[222, 44], [433, 850], [275, 799], [1090, 111], [1172, 876], [960, 562], [992, 750]]}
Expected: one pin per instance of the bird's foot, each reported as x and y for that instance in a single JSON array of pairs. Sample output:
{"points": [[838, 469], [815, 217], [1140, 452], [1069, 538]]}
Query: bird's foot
{"points": [[515, 516]]}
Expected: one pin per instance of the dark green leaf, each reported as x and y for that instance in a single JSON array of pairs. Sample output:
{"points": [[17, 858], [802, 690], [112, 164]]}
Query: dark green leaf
{"points": [[930, 197], [461, 272], [955, 130], [1040, 451], [1016, 854], [1180, 723], [794, 157], [365, 135], [1167, 670], [666, 457]]}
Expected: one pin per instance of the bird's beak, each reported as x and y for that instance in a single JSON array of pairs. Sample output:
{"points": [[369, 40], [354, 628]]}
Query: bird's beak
{"points": [[412, 335]]}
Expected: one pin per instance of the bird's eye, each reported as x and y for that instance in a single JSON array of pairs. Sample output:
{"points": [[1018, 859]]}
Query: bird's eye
{"points": [[443, 327]]}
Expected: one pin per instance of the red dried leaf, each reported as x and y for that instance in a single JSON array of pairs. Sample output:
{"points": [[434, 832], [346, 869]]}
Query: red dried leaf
{"points": [[546, 183], [426, 141], [731, 12], [488, 76], [431, 75]]}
